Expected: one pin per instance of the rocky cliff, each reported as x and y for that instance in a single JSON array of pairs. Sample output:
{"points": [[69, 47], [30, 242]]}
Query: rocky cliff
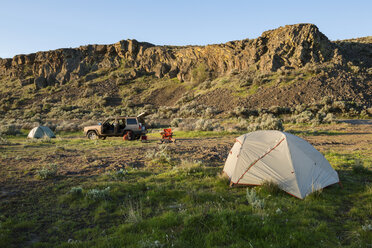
{"points": [[288, 47]]}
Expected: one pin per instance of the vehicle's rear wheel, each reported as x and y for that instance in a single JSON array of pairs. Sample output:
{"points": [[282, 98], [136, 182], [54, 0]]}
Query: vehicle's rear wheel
{"points": [[92, 135], [128, 135]]}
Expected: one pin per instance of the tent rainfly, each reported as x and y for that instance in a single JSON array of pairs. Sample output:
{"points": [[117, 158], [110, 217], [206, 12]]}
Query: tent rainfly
{"points": [[280, 157], [40, 132]]}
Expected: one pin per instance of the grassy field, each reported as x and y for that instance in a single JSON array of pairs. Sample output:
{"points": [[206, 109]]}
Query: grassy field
{"points": [[73, 192]]}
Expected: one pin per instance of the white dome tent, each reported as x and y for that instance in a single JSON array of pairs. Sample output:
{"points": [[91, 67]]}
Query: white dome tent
{"points": [[40, 132], [285, 159]]}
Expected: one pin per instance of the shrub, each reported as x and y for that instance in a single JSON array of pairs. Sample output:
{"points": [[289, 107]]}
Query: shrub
{"points": [[210, 112], [151, 244], [254, 200], [98, 194], [159, 157], [118, 175], [300, 108], [369, 111], [194, 109], [188, 164], [364, 114], [325, 110], [367, 227], [175, 122], [9, 129], [326, 100], [186, 126], [265, 122], [67, 126], [76, 191], [165, 112], [153, 123], [303, 117], [49, 171], [307, 116], [200, 125], [339, 106], [190, 167], [329, 118], [238, 112], [134, 213], [203, 125], [276, 110], [242, 112], [4, 141]]}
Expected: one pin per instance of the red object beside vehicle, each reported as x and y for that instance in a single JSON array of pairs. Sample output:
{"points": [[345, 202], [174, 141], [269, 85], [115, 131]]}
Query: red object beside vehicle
{"points": [[167, 136]]}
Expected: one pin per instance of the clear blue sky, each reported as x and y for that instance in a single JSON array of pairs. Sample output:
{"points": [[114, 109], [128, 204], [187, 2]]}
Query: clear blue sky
{"points": [[28, 26]]}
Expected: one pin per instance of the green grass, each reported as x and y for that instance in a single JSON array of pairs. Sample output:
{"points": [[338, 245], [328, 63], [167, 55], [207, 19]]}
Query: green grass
{"points": [[349, 161], [179, 203], [195, 208], [72, 140]]}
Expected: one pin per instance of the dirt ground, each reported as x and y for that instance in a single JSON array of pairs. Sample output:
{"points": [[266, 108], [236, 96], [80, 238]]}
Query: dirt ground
{"points": [[22, 160]]}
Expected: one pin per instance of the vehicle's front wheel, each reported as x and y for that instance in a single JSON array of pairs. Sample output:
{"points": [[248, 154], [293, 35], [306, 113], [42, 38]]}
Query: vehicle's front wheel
{"points": [[92, 135]]}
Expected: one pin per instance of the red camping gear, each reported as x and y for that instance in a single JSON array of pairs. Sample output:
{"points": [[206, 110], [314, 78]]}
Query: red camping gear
{"points": [[167, 136]]}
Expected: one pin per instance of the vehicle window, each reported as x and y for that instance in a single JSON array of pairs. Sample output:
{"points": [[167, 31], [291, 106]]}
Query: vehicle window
{"points": [[131, 121], [109, 121]]}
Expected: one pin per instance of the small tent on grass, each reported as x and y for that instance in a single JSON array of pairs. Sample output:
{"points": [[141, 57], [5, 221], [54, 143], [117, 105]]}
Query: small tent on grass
{"points": [[285, 159], [40, 132]]}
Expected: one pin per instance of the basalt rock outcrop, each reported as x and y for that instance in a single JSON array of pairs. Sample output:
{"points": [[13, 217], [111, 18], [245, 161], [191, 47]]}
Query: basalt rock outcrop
{"points": [[63, 65], [288, 47]]}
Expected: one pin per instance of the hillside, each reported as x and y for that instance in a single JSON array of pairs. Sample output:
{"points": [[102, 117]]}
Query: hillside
{"points": [[285, 67]]}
